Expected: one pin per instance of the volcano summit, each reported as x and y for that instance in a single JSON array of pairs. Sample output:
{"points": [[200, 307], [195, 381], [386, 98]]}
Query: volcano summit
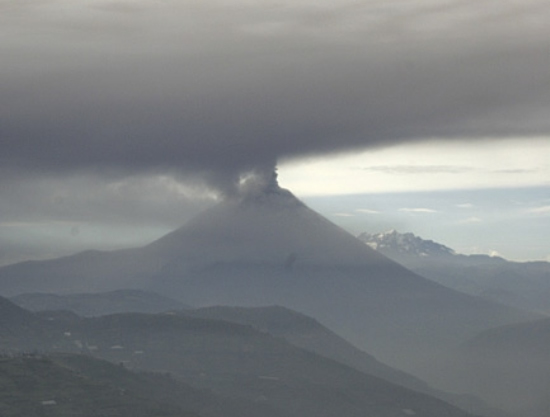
{"points": [[265, 247]]}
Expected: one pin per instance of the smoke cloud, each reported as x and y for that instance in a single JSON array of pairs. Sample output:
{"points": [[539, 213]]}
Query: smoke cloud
{"points": [[215, 90]]}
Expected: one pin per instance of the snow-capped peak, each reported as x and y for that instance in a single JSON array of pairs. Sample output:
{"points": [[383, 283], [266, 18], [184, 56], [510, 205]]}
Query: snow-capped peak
{"points": [[405, 244]]}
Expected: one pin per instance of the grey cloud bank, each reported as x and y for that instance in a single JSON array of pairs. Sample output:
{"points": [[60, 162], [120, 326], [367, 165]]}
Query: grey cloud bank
{"points": [[101, 100], [213, 89]]}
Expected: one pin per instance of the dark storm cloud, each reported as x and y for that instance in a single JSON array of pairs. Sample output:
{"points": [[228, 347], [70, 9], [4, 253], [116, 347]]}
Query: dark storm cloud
{"points": [[211, 89]]}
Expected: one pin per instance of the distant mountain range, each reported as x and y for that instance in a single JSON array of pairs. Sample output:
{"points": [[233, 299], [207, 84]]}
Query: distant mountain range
{"points": [[239, 370], [298, 329], [525, 285], [405, 244], [268, 248]]}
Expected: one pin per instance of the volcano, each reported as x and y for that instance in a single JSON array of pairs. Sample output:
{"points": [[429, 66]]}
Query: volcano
{"points": [[265, 247]]}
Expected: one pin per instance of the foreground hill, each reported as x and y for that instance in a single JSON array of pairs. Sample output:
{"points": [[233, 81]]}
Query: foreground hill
{"points": [[510, 366], [99, 304], [309, 334], [268, 248], [262, 374], [298, 329], [239, 362], [64, 384], [19, 328], [524, 285], [67, 386]]}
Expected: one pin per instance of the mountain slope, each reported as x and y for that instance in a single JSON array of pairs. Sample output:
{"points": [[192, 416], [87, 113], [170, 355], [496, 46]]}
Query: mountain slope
{"points": [[309, 334], [268, 248], [298, 329], [98, 304], [162, 389], [524, 285], [85, 272], [252, 372], [241, 363], [16, 327], [33, 386], [510, 366], [64, 384], [269, 228]]}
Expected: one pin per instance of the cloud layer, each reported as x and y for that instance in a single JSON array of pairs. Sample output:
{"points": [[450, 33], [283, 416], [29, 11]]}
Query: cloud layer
{"points": [[214, 88], [114, 114]]}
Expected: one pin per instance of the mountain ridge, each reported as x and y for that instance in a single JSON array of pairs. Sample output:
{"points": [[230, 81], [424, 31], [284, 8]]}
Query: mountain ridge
{"points": [[524, 285], [98, 304], [233, 361], [406, 243], [266, 248]]}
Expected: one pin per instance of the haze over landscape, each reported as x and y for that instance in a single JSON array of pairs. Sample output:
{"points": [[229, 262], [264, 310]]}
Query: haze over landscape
{"points": [[182, 184]]}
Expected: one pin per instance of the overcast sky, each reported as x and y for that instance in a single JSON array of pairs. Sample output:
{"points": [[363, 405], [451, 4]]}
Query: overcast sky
{"points": [[121, 119]]}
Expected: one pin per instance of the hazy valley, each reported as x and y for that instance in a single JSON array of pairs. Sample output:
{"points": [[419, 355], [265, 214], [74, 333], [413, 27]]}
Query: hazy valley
{"points": [[264, 250]]}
